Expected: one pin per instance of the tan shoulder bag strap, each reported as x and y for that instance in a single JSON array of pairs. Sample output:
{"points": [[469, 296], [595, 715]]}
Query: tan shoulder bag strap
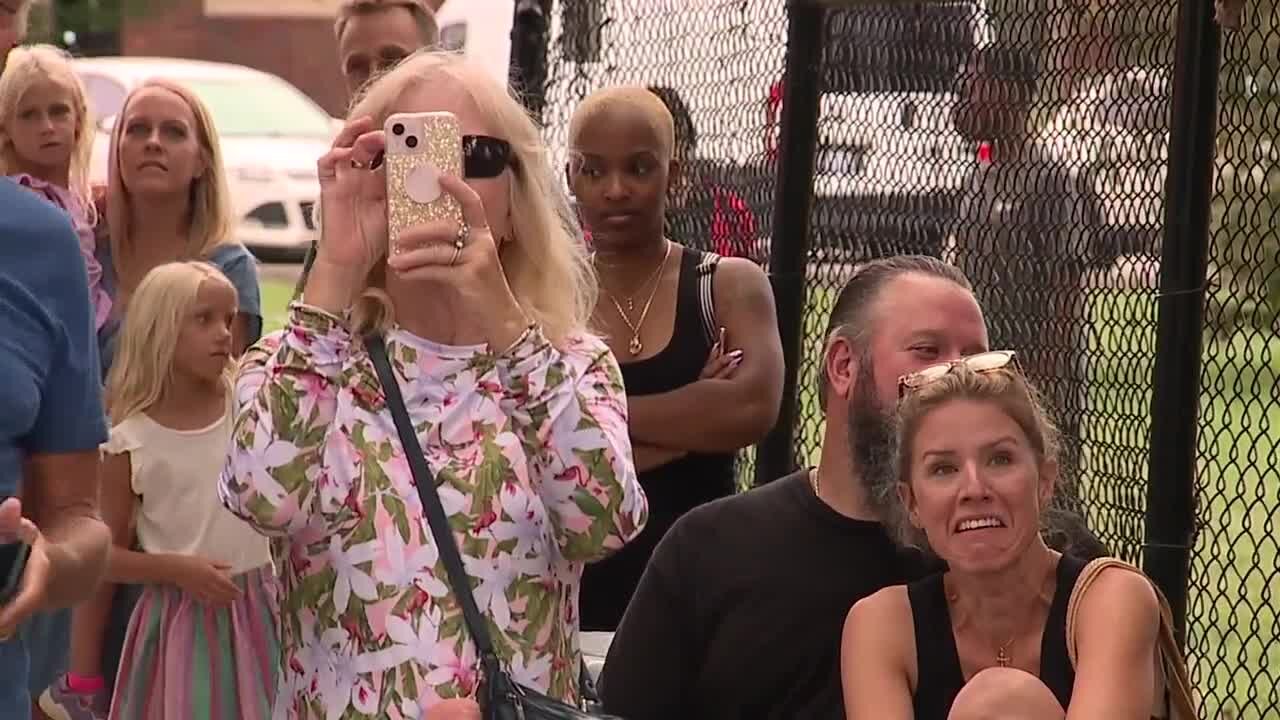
{"points": [[1173, 697]]}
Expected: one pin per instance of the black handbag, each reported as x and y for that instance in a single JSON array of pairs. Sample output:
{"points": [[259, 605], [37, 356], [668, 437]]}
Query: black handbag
{"points": [[500, 697]]}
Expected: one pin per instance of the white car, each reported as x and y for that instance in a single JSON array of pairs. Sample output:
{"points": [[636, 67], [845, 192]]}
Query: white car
{"points": [[270, 132]]}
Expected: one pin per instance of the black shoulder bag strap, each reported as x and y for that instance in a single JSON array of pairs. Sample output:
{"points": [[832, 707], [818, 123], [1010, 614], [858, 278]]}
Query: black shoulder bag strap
{"points": [[438, 522], [425, 480]]}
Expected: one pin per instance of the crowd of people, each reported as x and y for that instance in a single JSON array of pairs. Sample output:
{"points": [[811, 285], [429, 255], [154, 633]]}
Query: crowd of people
{"points": [[224, 524]]}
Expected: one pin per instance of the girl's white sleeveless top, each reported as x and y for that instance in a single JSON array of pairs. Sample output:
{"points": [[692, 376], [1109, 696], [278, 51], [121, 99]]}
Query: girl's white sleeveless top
{"points": [[175, 477]]}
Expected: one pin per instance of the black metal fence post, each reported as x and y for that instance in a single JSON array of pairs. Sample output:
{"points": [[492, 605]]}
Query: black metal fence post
{"points": [[1175, 394], [789, 250], [530, 31]]}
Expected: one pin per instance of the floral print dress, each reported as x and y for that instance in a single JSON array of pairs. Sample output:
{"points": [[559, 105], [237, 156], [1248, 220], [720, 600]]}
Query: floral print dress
{"points": [[533, 464]]}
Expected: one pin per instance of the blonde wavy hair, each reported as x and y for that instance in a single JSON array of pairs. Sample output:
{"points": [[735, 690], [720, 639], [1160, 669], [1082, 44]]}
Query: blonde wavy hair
{"points": [[143, 368], [209, 217], [546, 263], [25, 67]]}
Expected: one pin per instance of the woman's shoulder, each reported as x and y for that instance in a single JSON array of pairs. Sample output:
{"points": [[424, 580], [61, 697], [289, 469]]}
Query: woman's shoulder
{"points": [[886, 603], [880, 619], [1118, 587]]}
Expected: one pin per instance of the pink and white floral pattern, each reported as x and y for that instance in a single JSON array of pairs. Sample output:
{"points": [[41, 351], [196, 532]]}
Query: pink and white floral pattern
{"points": [[533, 461]]}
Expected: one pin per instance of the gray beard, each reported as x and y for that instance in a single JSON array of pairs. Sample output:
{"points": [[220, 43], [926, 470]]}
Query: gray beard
{"points": [[871, 445]]}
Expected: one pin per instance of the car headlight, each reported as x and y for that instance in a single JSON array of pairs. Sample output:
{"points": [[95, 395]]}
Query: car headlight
{"points": [[254, 173]]}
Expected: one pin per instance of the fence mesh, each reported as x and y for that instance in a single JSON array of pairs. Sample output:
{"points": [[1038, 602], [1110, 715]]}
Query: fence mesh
{"points": [[1235, 582], [922, 148]]}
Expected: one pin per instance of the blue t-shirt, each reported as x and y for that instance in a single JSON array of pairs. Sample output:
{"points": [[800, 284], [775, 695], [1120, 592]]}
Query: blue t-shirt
{"points": [[51, 396], [232, 259]]}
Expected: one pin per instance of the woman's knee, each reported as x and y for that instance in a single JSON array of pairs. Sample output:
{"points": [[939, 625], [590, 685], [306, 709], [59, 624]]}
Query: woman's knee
{"points": [[1005, 694]]}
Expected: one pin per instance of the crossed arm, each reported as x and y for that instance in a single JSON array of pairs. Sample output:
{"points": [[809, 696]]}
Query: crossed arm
{"points": [[722, 414]]}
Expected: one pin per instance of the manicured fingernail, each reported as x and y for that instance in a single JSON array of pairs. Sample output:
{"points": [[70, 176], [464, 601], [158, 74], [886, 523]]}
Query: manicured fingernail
{"points": [[736, 355]]}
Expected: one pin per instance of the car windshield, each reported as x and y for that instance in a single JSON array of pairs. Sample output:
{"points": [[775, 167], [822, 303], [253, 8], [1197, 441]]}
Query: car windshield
{"points": [[260, 106]]}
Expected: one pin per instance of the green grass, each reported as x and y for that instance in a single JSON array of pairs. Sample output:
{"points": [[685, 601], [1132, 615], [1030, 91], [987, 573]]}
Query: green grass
{"points": [[275, 303], [1234, 654]]}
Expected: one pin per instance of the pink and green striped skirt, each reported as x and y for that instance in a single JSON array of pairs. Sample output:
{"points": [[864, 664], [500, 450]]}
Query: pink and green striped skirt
{"points": [[185, 659]]}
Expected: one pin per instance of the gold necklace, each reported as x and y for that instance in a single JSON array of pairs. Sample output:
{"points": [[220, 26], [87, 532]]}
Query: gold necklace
{"points": [[1003, 658], [814, 481], [635, 346]]}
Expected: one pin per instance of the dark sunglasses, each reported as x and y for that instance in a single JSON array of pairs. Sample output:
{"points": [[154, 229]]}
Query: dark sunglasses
{"points": [[482, 157], [486, 157], [979, 363]]}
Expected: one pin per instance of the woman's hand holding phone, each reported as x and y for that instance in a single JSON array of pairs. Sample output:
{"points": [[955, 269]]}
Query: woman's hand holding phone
{"points": [[430, 253], [353, 221], [27, 597]]}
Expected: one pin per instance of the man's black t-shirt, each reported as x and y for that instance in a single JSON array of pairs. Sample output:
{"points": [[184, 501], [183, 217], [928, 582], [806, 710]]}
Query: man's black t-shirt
{"points": [[740, 611]]}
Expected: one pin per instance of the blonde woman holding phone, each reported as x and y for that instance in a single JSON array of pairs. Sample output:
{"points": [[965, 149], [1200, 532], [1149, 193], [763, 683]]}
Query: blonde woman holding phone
{"points": [[519, 411]]}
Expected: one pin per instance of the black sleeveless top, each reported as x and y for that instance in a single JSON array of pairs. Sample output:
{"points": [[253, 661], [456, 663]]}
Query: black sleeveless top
{"points": [[939, 677], [681, 485]]}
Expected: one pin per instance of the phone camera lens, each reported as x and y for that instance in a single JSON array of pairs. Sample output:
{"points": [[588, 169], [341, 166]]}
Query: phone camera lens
{"points": [[398, 129], [411, 141]]}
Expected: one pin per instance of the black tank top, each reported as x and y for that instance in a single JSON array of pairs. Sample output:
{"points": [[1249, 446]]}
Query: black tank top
{"points": [[939, 677], [681, 485]]}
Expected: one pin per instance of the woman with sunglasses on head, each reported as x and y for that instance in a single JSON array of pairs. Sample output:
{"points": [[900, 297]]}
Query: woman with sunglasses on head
{"points": [[520, 414], [697, 334], [1012, 629]]}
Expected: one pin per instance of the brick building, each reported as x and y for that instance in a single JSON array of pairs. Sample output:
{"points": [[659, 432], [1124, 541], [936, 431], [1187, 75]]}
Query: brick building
{"points": [[293, 39]]}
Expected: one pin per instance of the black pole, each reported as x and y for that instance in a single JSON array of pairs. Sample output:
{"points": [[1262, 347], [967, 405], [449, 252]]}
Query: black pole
{"points": [[789, 249], [1175, 393], [529, 39]]}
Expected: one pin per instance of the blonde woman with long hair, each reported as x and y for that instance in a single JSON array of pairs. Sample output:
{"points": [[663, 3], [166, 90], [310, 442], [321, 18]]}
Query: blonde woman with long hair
{"points": [[519, 410], [166, 200], [202, 640], [46, 138]]}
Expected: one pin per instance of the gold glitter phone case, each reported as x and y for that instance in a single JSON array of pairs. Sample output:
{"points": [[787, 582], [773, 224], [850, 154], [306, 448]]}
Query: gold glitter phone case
{"points": [[420, 148]]}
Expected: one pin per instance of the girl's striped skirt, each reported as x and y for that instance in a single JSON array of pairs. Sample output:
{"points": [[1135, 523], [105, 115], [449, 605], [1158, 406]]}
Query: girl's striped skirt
{"points": [[184, 659]]}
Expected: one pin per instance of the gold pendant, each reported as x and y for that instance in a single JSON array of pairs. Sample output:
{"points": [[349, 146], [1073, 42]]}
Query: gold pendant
{"points": [[1002, 658], [636, 346]]}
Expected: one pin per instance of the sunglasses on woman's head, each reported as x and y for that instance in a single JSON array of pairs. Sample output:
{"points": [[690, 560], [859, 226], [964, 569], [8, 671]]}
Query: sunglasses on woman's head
{"points": [[979, 363], [482, 157]]}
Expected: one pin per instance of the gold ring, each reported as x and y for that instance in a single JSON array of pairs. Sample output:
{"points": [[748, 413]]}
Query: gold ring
{"points": [[456, 252], [459, 242]]}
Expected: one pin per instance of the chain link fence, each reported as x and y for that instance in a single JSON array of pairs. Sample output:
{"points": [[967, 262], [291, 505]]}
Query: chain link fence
{"points": [[1028, 142], [1235, 576]]}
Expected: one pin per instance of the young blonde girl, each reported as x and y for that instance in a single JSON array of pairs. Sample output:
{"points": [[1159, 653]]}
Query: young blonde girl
{"points": [[46, 137], [202, 640]]}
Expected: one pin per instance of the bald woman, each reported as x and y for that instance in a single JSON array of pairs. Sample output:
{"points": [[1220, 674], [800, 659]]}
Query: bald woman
{"points": [[696, 334]]}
